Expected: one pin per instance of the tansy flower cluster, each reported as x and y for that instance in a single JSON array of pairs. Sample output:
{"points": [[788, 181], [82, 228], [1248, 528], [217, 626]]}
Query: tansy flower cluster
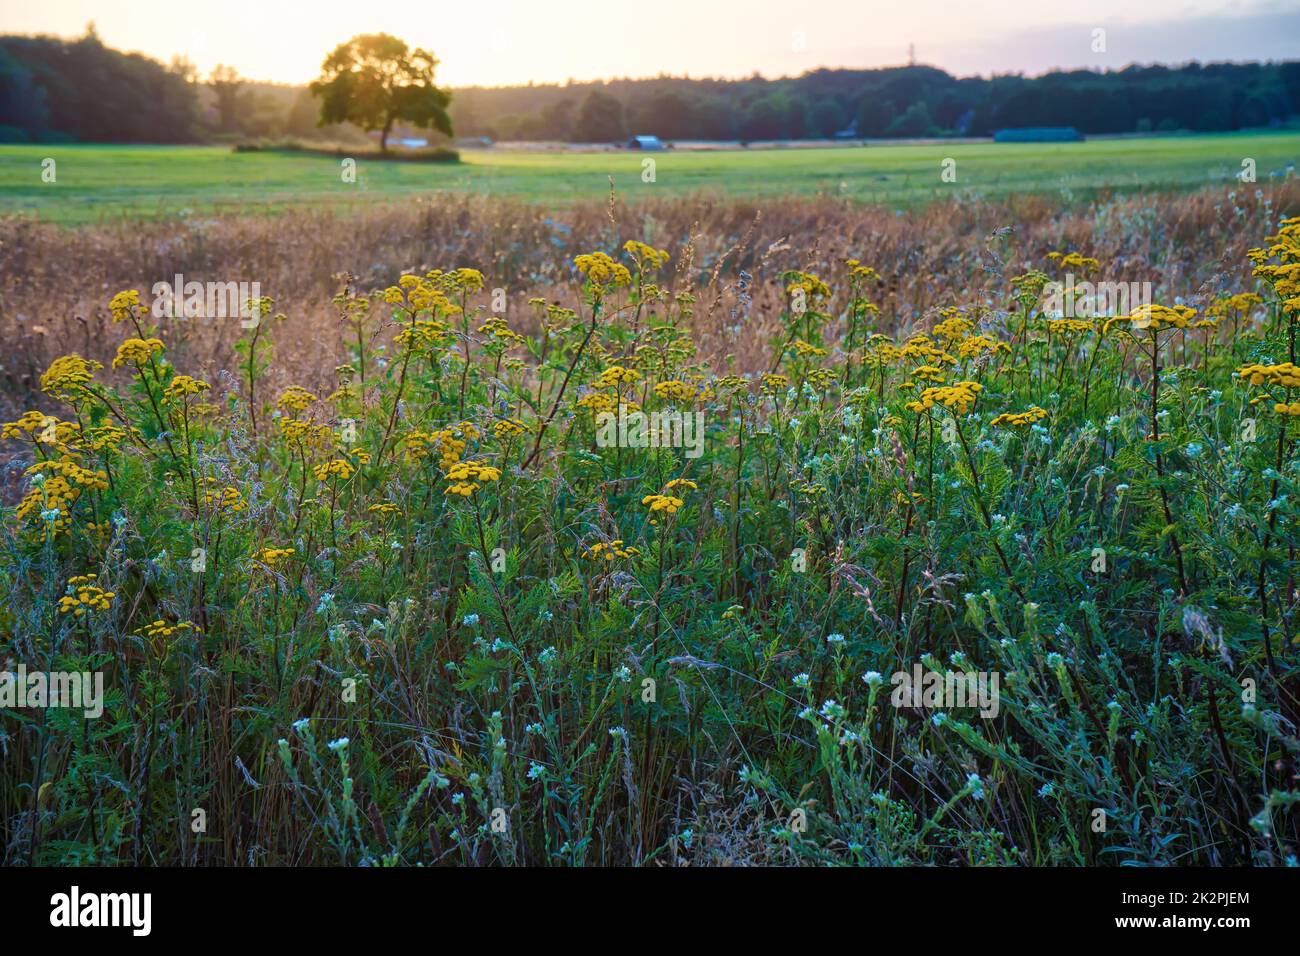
{"points": [[338, 468], [602, 271], [647, 258], [1019, 419], [273, 556], [958, 398], [85, 597], [182, 386], [602, 551], [1284, 374], [162, 630], [137, 351], [1074, 261], [1155, 318], [465, 477]]}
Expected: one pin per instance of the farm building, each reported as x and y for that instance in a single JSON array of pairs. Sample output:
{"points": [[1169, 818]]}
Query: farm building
{"points": [[1039, 134], [645, 142]]}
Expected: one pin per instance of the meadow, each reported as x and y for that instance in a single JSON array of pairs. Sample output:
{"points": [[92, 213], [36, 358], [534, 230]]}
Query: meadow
{"points": [[96, 182], [370, 584]]}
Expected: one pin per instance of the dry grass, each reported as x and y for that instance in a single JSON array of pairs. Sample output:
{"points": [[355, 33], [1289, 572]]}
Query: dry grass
{"points": [[54, 282]]}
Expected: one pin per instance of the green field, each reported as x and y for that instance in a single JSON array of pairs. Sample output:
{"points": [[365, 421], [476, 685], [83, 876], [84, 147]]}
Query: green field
{"points": [[104, 182]]}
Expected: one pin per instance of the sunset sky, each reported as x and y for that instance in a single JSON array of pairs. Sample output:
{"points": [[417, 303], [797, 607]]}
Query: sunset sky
{"points": [[501, 42]]}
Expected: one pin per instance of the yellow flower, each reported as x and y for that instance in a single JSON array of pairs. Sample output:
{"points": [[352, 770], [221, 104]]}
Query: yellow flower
{"points": [[1019, 419], [161, 629], [68, 376], [227, 499], [602, 551], [182, 386], [43, 429], [1069, 326], [1284, 374], [123, 304], [84, 597], [978, 345], [137, 351], [675, 390], [467, 280], [71, 472], [957, 398], [647, 258], [339, 467], [616, 375], [601, 270], [105, 438], [1154, 318], [273, 556], [812, 287], [295, 399], [1073, 261], [955, 328], [663, 503], [805, 349], [472, 471], [507, 428]]}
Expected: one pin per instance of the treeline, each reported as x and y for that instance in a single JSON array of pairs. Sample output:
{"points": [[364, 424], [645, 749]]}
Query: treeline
{"points": [[896, 102], [53, 89]]}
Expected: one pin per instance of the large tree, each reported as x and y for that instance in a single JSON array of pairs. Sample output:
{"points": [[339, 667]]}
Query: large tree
{"points": [[374, 80]]}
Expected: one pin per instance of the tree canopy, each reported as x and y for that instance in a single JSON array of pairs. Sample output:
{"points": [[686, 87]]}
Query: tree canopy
{"points": [[375, 80]]}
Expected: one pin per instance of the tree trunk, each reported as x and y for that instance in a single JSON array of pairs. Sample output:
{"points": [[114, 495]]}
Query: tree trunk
{"points": [[383, 137]]}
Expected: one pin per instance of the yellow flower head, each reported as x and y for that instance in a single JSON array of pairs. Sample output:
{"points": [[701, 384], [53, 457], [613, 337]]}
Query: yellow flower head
{"points": [[675, 391], [666, 503], [508, 428], [1074, 261], [608, 551], [137, 351], [472, 471], [338, 468], [958, 398], [295, 399], [1019, 419], [601, 270], [273, 556], [123, 304], [647, 258], [182, 386], [616, 375], [1154, 318], [68, 376], [84, 597], [1282, 375]]}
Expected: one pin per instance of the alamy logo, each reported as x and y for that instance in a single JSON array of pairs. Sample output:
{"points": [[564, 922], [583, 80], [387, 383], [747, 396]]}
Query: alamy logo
{"points": [[102, 909], [179, 299], [1084, 300], [946, 690], [77, 690], [662, 429]]}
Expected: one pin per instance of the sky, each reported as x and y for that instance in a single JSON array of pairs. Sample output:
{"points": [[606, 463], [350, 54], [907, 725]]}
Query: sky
{"points": [[506, 42]]}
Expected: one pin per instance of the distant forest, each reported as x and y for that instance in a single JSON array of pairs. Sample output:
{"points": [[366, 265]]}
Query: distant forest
{"points": [[55, 90]]}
